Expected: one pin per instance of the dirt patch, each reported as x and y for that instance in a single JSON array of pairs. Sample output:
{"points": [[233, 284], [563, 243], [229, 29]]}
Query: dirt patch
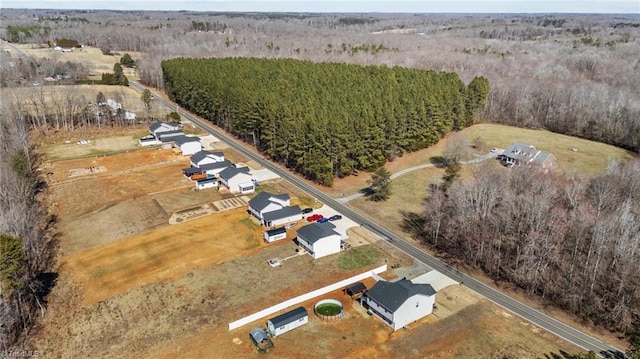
{"points": [[86, 171]]}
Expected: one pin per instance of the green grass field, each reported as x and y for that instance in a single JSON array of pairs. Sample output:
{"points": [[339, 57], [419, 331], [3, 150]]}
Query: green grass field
{"points": [[329, 309], [358, 257]]}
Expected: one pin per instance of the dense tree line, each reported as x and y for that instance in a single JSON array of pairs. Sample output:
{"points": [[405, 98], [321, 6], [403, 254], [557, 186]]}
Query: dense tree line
{"points": [[27, 244], [574, 242], [325, 119]]}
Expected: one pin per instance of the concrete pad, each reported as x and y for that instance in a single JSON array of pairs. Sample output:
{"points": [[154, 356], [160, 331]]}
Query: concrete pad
{"points": [[208, 142], [341, 225], [264, 175], [437, 280]]}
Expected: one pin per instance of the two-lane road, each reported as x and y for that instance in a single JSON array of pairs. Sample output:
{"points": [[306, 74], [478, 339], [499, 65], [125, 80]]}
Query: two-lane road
{"points": [[540, 319]]}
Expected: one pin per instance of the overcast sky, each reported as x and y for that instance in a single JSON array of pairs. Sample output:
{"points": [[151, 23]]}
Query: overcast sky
{"points": [[411, 6]]}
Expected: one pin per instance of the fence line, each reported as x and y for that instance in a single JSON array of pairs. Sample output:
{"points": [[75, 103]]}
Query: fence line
{"points": [[304, 297]]}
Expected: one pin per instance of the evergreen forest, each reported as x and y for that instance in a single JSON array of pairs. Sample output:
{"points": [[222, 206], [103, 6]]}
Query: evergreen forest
{"points": [[325, 120]]}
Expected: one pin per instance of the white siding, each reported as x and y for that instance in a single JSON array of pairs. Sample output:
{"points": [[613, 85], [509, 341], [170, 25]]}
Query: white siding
{"points": [[414, 308], [326, 246], [277, 237], [290, 326], [281, 221], [234, 183], [190, 148]]}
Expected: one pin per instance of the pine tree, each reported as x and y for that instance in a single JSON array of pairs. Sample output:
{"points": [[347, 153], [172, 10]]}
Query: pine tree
{"points": [[380, 185]]}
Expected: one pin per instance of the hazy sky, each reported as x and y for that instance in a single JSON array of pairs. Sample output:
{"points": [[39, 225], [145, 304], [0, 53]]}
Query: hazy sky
{"points": [[468, 6]]}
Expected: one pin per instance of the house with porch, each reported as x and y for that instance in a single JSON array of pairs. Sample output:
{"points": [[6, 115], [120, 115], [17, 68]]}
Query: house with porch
{"points": [[205, 157], [522, 154], [237, 180], [265, 202]]}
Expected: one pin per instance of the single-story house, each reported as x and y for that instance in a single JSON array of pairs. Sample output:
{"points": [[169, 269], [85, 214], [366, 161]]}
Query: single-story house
{"points": [[207, 183], [355, 290], [158, 127], [275, 234], [400, 303], [237, 180], [319, 239], [265, 202], [188, 145], [282, 216], [169, 135], [212, 169], [287, 321], [148, 141], [522, 154], [204, 157]]}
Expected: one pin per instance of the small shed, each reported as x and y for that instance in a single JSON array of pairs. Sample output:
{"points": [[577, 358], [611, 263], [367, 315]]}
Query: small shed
{"points": [[275, 234], [207, 183], [355, 290], [260, 339], [288, 321]]}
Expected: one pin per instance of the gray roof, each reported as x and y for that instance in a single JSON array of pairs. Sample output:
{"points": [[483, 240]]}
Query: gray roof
{"points": [[184, 139], [207, 180], [158, 125], [276, 231], [200, 155], [288, 317], [231, 172], [282, 213], [315, 231], [263, 199], [170, 134], [213, 166], [523, 153], [356, 287], [391, 295], [258, 335], [191, 171]]}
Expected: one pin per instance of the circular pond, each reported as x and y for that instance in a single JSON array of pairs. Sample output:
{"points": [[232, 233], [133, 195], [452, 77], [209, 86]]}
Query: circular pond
{"points": [[329, 310]]}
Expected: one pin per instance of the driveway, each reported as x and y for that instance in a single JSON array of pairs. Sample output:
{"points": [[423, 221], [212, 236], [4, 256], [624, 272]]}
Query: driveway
{"points": [[341, 225]]}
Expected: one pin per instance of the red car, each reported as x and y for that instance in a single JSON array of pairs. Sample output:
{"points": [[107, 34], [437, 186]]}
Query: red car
{"points": [[315, 217]]}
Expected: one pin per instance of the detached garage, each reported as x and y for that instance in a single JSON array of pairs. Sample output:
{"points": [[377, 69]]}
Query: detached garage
{"points": [[288, 321], [207, 183]]}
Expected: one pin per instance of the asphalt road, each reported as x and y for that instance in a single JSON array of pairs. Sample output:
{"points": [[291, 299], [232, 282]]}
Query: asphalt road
{"points": [[538, 318]]}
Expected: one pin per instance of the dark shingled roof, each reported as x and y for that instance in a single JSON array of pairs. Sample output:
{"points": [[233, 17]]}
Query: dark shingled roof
{"points": [[276, 231], [184, 139], [158, 125], [200, 155], [169, 135], [262, 200], [315, 231], [258, 335], [213, 166], [354, 288], [191, 171], [282, 213], [231, 172], [391, 295], [288, 317]]}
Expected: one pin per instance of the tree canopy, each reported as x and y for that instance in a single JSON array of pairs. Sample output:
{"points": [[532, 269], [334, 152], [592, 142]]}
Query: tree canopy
{"points": [[324, 119]]}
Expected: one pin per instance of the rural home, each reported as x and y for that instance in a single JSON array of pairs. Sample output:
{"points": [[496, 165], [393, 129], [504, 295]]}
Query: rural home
{"points": [[237, 180], [169, 135], [265, 202], [205, 157], [188, 145], [275, 234], [400, 303], [287, 321], [157, 128], [207, 183], [282, 216], [522, 154], [212, 169], [319, 239]]}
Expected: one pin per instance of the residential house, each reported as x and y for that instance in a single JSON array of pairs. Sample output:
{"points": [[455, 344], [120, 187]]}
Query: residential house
{"points": [[400, 303], [168, 136], [204, 157], [522, 154], [213, 169], [148, 141], [282, 216], [188, 145], [265, 202], [237, 180], [287, 321], [319, 239], [159, 127]]}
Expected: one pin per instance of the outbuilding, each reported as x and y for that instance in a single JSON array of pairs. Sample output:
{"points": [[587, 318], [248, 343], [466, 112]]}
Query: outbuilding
{"points": [[207, 183], [288, 321], [260, 339], [275, 234], [355, 290]]}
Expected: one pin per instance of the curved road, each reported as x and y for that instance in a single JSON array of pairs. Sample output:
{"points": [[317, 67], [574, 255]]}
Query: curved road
{"points": [[534, 316]]}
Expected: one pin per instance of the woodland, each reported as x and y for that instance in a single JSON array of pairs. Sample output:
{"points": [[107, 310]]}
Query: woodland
{"points": [[573, 241], [328, 119]]}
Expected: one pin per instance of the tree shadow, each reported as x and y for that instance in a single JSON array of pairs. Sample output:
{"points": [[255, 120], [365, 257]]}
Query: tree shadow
{"points": [[413, 223], [438, 161]]}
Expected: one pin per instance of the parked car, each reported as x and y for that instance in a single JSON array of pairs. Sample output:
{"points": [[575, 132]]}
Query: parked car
{"points": [[323, 220], [307, 210], [335, 217], [315, 217]]}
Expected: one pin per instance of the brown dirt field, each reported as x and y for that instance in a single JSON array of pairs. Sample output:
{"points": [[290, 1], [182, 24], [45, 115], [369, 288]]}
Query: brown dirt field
{"points": [[96, 146]]}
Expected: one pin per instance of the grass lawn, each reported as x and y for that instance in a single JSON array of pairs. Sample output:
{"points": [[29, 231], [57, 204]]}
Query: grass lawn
{"points": [[359, 257], [329, 309]]}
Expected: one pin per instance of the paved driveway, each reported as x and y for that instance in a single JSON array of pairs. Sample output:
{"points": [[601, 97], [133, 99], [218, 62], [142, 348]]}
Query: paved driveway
{"points": [[341, 225]]}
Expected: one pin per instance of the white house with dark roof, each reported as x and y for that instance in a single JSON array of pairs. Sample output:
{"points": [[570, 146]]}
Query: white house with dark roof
{"points": [[282, 216], [522, 154], [400, 303], [168, 136], [265, 202], [188, 145], [287, 321], [157, 128], [237, 180], [206, 183], [205, 157], [319, 239], [213, 169], [275, 234]]}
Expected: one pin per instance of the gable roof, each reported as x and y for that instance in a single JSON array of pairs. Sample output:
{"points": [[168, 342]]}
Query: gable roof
{"points": [[391, 295], [192, 170], [354, 288], [201, 155], [316, 231], [288, 317], [163, 125], [282, 213], [276, 231], [523, 152], [215, 165], [230, 172], [169, 134], [258, 335], [263, 199], [184, 140]]}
